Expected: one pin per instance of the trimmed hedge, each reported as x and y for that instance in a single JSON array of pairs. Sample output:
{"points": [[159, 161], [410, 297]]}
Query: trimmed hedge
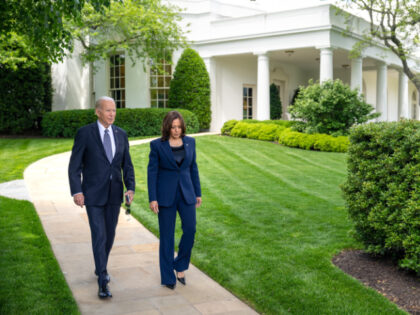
{"points": [[277, 130], [316, 141], [382, 190], [26, 96], [135, 121]]}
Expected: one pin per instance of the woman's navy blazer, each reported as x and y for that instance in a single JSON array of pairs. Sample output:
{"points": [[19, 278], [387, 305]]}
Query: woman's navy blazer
{"points": [[164, 175]]}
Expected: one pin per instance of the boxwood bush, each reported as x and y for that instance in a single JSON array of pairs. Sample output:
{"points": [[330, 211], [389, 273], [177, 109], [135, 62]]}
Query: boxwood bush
{"points": [[278, 130], [382, 190], [135, 121]]}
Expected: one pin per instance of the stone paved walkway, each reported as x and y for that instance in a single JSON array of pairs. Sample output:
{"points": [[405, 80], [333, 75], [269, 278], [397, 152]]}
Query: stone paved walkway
{"points": [[133, 263]]}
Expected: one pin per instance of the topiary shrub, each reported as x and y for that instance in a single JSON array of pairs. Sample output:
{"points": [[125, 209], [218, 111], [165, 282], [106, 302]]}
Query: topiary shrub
{"points": [[329, 108], [228, 126], [382, 190], [135, 121], [190, 87], [26, 96], [275, 102]]}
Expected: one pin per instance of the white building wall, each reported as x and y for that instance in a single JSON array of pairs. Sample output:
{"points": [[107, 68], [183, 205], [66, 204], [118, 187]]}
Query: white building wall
{"points": [[100, 79], [136, 85], [231, 74], [70, 80]]}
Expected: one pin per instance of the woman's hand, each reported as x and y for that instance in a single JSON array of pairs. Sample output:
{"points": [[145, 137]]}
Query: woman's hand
{"points": [[198, 203], [154, 206]]}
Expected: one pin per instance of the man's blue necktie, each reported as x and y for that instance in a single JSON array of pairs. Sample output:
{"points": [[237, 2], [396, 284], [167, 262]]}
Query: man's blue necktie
{"points": [[107, 146]]}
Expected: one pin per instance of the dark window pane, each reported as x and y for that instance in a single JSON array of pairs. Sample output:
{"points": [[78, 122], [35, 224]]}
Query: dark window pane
{"points": [[160, 82], [153, 94], [112, 74], [153, 104], [250, 112], [168, 69], [122, 70], [112, 83], [153, 82], [117, 71], [245, 90], [123, 104], [250, 91], [250, 102], [161, 104], [167, 81], [117, 83], [123, 95], [123, 82]]}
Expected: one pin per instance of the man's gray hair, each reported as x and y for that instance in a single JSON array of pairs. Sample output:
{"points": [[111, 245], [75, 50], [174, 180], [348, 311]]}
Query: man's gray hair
{"points": [[103, 98]]}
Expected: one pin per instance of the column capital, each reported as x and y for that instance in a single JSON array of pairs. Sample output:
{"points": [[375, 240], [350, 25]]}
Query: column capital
{"points": [[261, 53], [326, 48]]}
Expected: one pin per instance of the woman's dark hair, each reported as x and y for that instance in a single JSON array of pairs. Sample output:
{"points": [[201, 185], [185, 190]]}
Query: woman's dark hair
{"points": [[167, 124]]}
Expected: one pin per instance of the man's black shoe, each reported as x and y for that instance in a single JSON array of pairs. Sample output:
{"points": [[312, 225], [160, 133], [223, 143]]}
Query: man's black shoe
{"points": [[104, 292]]}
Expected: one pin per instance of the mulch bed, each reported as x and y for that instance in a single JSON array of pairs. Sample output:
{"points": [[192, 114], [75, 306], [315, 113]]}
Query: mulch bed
{"points": [[383, 275]]}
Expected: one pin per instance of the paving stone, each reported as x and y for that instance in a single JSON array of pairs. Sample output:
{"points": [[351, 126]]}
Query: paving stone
{"points": [[134, 261]]}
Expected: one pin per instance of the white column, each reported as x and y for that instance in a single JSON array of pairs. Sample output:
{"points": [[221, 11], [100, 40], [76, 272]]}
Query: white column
{"points": [[403, 103], [263, 87], [382, 91], [356, 81], [216, 112], [326, 64]]}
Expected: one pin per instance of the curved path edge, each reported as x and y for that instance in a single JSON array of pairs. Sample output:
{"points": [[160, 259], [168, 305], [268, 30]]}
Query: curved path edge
{"points": [[134, 260]]}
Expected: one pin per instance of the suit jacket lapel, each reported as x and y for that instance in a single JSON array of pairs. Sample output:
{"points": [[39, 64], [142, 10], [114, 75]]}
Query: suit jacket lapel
{"points": [[117, 141], [97, 137]]}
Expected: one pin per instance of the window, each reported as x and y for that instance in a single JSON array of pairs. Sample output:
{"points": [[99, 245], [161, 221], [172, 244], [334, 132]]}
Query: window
{"points": [[248, 101], [117, 79], [160, 80]]}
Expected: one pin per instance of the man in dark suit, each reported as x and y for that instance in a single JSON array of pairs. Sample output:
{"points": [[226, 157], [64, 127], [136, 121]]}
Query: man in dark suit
{"points": [[100, 152]]}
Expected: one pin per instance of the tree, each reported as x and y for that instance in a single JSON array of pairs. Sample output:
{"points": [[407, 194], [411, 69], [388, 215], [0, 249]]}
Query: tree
{"points": [[331, 108], [275, 102], [395, 23], [190, 87], [142, 28], [39, 24]]}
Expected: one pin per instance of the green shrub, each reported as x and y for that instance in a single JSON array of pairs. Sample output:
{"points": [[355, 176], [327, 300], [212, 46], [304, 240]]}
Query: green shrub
{"points": [[284, 123], [228, 126], [329, 108], [382, 190], [321, 142], [259, 131], [275, 102], [190, 87], [26, 96], [135, 121]]}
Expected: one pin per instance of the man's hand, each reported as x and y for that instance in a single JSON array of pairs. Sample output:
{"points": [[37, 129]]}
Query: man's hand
{"points": [[154, 206], [79, 199], [198, 203], [130, 194]]}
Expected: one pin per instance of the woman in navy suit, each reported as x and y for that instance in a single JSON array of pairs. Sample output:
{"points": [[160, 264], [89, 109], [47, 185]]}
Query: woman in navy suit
{"points": [[174, 185]]}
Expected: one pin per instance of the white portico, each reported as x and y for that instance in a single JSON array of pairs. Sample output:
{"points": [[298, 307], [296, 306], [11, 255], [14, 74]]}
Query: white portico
{"points": [[247, 47]]}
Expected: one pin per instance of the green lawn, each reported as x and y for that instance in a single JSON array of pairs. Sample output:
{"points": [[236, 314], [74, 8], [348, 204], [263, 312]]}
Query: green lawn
{"points": [[17, 154], [272, 219], [31, 281]]}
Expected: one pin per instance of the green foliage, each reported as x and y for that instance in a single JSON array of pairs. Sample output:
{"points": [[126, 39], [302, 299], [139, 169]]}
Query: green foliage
{"points": [[259, 131], [321, 142], [142, 29], [382, 190], [228, 126], [40, 25], [190, 87], [275, 102], [281, 206], [27, 95], [135, 121], [330, 108], [278, 130]]}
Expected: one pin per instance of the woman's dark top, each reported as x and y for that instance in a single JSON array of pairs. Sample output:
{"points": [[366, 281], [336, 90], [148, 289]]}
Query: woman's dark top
{"points": [[179, 154]]}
